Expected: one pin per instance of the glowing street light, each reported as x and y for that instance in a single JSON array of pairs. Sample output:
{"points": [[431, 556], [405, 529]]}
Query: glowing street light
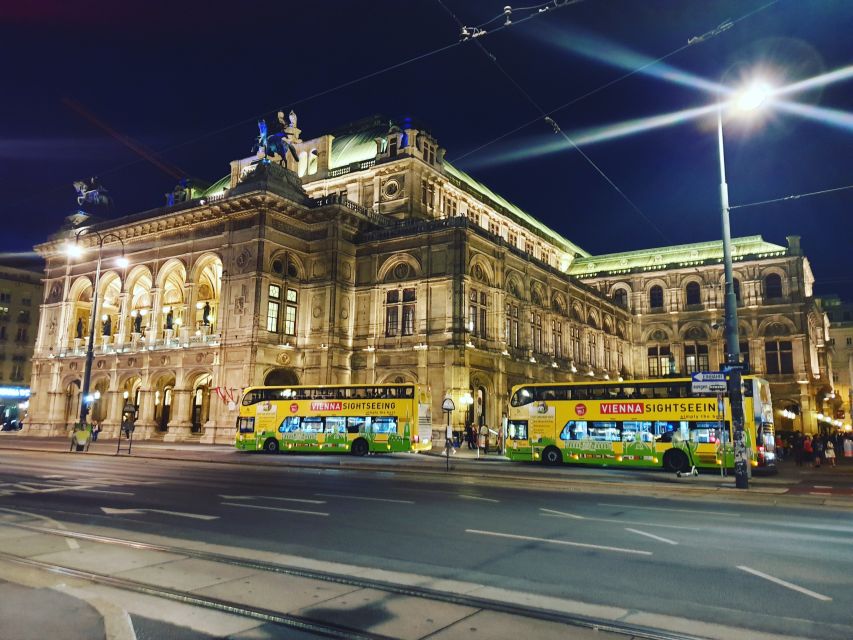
{"points": [[750, 100]]}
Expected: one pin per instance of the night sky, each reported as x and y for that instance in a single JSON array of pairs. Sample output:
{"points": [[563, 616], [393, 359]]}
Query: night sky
{"points": [[188, 79]]}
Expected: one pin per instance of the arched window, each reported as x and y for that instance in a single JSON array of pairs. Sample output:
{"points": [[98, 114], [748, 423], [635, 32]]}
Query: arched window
{"points": [[693, 294], [656, 297], [620, 297], [772, 286], [736, 284]]}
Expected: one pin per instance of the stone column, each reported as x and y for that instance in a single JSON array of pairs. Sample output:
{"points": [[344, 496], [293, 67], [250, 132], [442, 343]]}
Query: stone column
{"points": [[145, 424], [155, 321], [180, 420], [112, 424], [121, 333]]}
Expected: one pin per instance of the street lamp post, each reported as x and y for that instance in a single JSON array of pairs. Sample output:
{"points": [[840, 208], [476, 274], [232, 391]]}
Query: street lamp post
{"points": [[748, 101], [90, 347]]}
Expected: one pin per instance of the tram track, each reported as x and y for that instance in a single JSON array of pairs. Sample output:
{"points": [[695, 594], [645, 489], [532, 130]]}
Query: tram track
{"points": [[302, 623]]}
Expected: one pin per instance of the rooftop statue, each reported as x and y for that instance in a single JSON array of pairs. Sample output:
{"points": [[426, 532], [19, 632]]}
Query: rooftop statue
{"points": [[91, 192], [268, 146]]}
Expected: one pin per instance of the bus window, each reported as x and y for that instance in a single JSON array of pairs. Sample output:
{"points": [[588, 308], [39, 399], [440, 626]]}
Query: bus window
{"points": [[645, 391], [289, 424], [356, 424], [312, 424], [245, 425], [521, 397], [336, 424], [357, 392], [597, 392], [384, 425], [637, 432], [606, 431], [574, 430], [704, 432], [580, 393], [408, 392], [516, 430]]}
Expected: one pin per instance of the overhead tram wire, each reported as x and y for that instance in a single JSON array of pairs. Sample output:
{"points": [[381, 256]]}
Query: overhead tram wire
{"points": [[544, 115], [795, 196], [712, 33], [541, 10]]}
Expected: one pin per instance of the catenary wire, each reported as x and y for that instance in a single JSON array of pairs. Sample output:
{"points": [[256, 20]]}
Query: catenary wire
{"points": [[544, 115], [795, 196], [692, 41]]}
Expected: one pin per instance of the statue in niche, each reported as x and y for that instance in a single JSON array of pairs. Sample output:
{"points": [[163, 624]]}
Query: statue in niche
{"points": [[108, 326], [170, 319], [80, 328], [137, 323], [205, 314]]}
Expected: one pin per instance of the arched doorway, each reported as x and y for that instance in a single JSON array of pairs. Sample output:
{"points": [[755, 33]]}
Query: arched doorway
{"points": [[200, 402], [163, 402], [281, 377]]}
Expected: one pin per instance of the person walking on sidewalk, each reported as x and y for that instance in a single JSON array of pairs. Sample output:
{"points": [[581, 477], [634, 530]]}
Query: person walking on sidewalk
{"points": [[830, 453], [808, 451], [798, 449], [470, 438], [817, 446]]}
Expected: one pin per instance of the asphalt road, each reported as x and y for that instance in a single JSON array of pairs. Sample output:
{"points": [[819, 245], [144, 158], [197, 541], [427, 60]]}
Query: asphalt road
{"points": [[773, 568]]}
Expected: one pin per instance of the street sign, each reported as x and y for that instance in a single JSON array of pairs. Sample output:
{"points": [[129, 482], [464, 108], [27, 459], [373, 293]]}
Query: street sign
{"points": [[708, 382], [448, 405]]}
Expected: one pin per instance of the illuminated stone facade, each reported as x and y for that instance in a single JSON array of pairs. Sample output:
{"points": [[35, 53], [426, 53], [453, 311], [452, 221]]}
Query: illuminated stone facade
{"points": [[839, 402], [368, 259], [20, 296]]}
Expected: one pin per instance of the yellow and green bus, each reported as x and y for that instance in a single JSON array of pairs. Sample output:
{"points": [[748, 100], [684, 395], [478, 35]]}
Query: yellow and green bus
{"points": [[638, 423], [356, 419]]}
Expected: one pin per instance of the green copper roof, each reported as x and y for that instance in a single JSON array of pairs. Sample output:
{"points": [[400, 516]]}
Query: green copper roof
{"points": [[522, 215], [676, 255], [355, 147], [216, 187]]}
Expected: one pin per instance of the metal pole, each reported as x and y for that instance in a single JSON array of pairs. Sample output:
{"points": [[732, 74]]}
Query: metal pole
{"points": [[90, 348], [731, 328]]}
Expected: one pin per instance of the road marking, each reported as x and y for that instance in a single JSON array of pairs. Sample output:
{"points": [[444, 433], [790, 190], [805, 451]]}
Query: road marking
{"points": [[272, 498], [820, 493], [462, 495], [783, 583], [117, 493], [71, 542], [121, 512], [337, 495], [710, 513], [821, 486], [260, 506], [562, 542], [52, 477], [562, 513], [651, 535], [623, 522]]}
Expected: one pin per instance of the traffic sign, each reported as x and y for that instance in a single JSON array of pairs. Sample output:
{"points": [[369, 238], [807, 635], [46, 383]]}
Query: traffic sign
{"points": [[708, 382], [448, 405]]}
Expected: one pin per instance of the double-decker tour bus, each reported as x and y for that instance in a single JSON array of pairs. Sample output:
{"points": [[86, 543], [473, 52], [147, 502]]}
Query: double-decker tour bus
{"points": [[636, 423], [358, 419]]}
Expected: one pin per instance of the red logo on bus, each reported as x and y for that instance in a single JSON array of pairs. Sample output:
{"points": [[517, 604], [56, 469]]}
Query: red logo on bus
{"points": [[294, 407], [580, 409]]}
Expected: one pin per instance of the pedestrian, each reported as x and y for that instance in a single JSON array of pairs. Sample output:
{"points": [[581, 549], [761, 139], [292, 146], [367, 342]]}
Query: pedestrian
{"points": [[848, 447], [469, 436], [780, 447], [830, 453], [808, 451], [798, 449], [818, 447]]}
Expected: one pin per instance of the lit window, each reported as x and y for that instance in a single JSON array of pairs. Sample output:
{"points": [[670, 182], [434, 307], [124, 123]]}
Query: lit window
{"points": [[291, 298], [273, 307], [512, 333], [477, 305]]}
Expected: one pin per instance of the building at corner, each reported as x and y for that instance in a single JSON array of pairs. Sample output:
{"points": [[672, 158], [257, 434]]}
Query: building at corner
{"points": [[362, 256]]}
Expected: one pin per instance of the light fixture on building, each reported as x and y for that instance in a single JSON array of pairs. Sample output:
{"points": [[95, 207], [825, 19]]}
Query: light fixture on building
{"points": [[126, 395], [505, 353], [420, 347], [555, 365], [199, 305], [532, 360], [370, 348]]}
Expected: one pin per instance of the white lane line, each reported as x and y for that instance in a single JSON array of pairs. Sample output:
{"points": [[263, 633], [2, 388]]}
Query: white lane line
{"points": [[338, 495], [562, 542], [225, 497], [462, 495], [789, 585], [71, 542], [650, 535], [117, 493], [52, 477], [633, 506], [260, 506], [622, 522], [820, 493], [552, 512], [821, 486]]}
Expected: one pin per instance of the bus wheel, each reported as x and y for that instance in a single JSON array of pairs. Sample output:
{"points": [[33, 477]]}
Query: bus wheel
{"points": [[676, 460], [551, 456], [359, 447], [271, 445]]}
